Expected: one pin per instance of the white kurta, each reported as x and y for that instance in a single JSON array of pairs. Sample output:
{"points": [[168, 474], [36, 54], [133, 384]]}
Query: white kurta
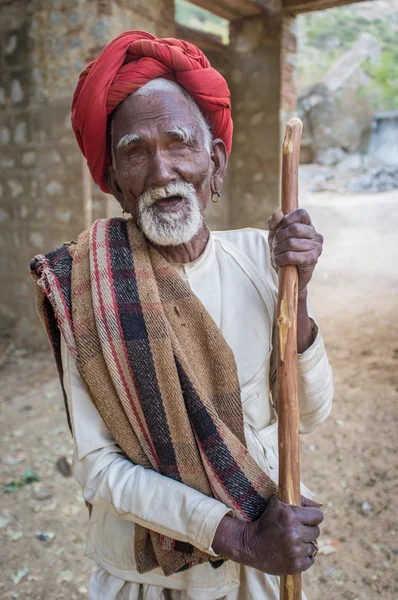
{"points": [[236, 283]]}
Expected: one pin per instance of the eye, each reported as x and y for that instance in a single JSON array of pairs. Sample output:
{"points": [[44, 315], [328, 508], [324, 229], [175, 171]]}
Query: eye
{"points": [[136, 153], [179, 144], [174, 142]]}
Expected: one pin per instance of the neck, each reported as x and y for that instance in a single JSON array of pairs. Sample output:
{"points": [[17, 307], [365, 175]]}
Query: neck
{"points": [[188, 252]]}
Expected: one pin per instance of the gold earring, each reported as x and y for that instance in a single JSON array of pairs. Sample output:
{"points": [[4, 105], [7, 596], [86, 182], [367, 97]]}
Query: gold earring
{"points": [[217, 193]]}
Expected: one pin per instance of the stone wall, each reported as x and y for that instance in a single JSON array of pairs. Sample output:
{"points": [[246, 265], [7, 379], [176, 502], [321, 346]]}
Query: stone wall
{"points": [[44, 46]]}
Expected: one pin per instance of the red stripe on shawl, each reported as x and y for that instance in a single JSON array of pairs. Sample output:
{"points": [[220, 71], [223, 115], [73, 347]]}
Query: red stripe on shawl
{"points": [[65, 317], [109, 336]]}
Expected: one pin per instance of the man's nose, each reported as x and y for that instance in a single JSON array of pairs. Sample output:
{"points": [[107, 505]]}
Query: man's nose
{"points": [[161, 171]]}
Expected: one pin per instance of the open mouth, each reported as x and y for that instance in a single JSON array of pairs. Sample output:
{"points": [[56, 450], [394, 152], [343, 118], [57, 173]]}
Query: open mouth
{"points": [[170, 203]]}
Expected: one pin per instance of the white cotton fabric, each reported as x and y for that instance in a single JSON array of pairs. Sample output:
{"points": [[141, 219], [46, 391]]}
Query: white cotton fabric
{"points": [[236, 283]]}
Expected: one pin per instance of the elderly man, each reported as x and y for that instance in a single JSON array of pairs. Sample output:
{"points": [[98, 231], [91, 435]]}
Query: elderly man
{"points": [[163, 336]]}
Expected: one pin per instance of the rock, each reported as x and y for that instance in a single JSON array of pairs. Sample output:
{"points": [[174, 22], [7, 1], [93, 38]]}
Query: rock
{"points": [[350, 65], [71, 510], [322, 181], [64, 467], [45, 536], [40, 493], [334, 112], [20, 574], [15, 535], [327, 546], [14, 459], [331, 156], [317, 111], [65, 575], [352, 162], [366, 507], [48, 507], [383, 140], [378, 179]]}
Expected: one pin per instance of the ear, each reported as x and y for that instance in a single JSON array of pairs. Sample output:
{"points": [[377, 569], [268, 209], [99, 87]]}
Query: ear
{"points": [[111, 182], [219, 158]]}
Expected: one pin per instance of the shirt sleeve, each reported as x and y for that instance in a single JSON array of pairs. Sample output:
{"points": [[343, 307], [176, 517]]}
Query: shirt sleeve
{"points": [[136, 494], [314, 373], [315, 385], [315, 382]]}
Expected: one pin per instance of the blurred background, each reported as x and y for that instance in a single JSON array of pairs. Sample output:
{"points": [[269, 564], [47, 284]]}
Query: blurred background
{"points": [[335, 64]]}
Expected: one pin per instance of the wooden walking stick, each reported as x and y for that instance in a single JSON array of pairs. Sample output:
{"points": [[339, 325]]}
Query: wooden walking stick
{"points": [[288, 410]]}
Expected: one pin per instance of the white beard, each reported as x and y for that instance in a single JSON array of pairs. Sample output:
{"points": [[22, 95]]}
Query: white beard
{"points": [[169, 228]]}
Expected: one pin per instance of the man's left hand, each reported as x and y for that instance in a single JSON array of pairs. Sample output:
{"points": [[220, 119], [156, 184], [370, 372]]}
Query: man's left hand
{"points": [[293, 241]]}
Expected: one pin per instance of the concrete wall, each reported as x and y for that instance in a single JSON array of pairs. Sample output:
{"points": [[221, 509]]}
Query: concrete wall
{"points": [[44, 45], [288, 103], [254, 78]]}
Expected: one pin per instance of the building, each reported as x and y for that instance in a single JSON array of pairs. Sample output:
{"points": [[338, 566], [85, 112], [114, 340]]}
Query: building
{"points": [[45, 195]]}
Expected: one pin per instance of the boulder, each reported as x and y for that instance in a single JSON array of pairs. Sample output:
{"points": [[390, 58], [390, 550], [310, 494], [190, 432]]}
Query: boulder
{"points": [[331, 156], [335, 113]]}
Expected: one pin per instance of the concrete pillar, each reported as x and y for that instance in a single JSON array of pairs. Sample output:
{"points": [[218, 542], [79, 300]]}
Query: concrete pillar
{"points": [[44, 46], [254, 66], [288, 70], [218, 214]]}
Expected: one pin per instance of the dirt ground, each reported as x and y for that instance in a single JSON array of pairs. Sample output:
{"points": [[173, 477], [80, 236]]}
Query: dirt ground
{"points": [[350, 462]]}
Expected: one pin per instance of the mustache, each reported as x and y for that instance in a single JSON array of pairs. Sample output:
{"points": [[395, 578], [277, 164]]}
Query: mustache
{"points": [[178, 188]]}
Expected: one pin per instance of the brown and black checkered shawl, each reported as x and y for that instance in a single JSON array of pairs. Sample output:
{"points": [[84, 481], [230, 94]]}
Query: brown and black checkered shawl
{"points": [[158, 370]]}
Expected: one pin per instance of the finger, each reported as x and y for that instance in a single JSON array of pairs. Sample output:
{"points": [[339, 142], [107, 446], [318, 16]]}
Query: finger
{"points": [[307, 563], [303, 260], [309, 533], [296, 216], [295, 245], [310, 502], [303, 564], [308, 516], [275, 219], [296, 230], [304, 550], [309, 550]]}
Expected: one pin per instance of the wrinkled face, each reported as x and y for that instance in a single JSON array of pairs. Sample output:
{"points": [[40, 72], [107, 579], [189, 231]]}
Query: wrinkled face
{"points": [[163, 173]]}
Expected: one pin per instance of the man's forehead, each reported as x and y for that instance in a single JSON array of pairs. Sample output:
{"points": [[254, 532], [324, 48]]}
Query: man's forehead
{"points": [[167, 104], [163, 112]]}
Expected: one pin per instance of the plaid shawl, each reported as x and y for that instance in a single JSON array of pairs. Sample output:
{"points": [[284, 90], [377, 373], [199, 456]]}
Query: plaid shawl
{"points": [[158, 370]]}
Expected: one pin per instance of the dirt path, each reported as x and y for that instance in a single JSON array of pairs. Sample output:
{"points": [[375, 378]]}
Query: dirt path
{"points": [[350, 462]]}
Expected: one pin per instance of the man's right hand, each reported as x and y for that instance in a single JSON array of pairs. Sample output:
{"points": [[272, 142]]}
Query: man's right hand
{"points": [[278, 543]]}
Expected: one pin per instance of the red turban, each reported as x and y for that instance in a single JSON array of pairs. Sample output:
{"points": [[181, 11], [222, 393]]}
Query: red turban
{"points": [[126, 64]]}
